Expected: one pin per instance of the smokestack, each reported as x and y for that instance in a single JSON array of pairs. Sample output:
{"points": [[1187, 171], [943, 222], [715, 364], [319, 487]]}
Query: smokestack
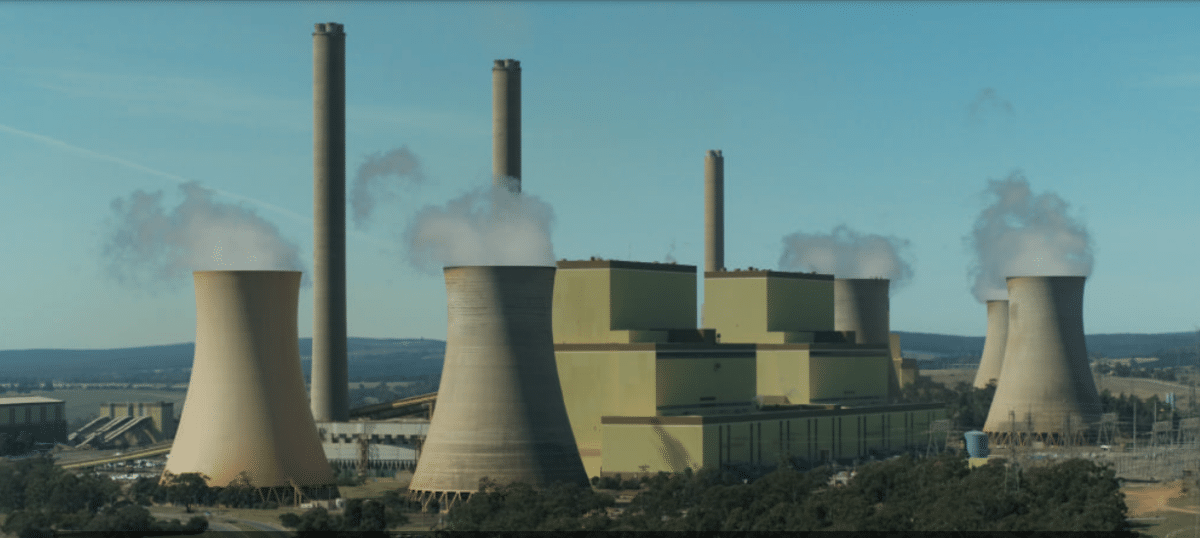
{"points": [[1046, 391], [245, 407], [506, 124], [993, 344], [500, 410], [714, 211], [330, 380], [861, 305]]}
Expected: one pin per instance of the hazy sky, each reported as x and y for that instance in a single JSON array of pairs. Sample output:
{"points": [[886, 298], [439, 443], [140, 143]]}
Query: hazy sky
{"points": [[887, 118]]}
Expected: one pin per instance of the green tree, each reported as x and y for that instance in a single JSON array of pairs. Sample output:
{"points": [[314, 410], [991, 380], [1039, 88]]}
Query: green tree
{"points": [[315, 522], [145, 491], [519, 506], [187, 489]]}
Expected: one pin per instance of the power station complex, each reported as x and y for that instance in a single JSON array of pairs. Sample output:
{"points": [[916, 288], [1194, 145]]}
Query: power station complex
{"points": [[596, 367]]}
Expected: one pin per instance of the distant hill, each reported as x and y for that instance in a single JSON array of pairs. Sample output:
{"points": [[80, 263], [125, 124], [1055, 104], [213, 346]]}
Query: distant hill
{"points": [[1106, 345], [370, 359], [390, 359]]}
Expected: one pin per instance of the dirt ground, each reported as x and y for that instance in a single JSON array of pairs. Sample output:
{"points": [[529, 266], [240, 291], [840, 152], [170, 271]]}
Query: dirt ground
{"points": [[1163, 509], [1145, 500]]}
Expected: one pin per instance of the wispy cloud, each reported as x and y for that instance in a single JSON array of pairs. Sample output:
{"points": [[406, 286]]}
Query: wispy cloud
{"points": [[412, 119], [143, 168], [986, 102], [71, 148], [190, 98], [207, 101]]}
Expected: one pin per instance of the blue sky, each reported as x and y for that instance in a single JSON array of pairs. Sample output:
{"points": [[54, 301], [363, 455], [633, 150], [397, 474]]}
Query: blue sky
{"points": [[827, 114]]}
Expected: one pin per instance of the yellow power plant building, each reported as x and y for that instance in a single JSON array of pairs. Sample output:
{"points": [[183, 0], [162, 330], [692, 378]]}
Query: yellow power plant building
{"points": [[769, 378]]}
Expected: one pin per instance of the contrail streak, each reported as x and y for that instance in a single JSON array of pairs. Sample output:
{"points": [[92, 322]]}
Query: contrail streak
{"points": [[167, 175]]}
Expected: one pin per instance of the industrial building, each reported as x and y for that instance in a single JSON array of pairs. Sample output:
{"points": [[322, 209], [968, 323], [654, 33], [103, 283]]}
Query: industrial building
{"points": [[127, 424], [40, 419], [597, 367], [374, 445], [647, 391]]}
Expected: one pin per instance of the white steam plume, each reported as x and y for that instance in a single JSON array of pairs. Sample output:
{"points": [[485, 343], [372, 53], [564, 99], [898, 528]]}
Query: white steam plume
{"points": [[1020, 234], [150, 246], [846, 253], [486, 226], [377, 176]]}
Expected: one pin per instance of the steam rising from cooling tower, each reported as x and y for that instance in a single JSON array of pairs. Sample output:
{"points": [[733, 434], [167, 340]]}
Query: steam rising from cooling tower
{"points": [[993, 344], [246, 409], [500, 411], [486, 226], [378, 175], [1046, 388], [848, 254], [152, 245], [1020, 234]]}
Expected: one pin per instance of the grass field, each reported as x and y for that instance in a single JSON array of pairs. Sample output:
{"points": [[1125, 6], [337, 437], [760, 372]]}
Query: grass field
{"points": [[1143, 388], [950, 377]]}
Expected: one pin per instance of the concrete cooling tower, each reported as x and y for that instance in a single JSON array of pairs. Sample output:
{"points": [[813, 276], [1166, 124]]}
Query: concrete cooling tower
{"points": [[993, 344], [861, 305], [330, 376], [500, 411], [1046, 391], [246, 407], [506, 124]]}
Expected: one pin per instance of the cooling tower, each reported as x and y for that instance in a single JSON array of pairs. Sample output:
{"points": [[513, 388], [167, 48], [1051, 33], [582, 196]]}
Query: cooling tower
{"points": [[861, 305], [500, 411], [1046, 391], [330, 379], [506, 124], [245, 408], [993, 344], [714, 211]]}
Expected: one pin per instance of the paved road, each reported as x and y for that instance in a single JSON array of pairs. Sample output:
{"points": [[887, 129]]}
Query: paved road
{"points": [[275, 531], [226, 524]]}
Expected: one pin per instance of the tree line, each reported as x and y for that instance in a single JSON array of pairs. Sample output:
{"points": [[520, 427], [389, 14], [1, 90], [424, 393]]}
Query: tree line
{"points": [[39, 498], [900, 494]]}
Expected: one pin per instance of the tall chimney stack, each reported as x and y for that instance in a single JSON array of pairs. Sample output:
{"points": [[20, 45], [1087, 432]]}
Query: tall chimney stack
{"points": [[506, 124], [714, 211], [330, 398]]}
